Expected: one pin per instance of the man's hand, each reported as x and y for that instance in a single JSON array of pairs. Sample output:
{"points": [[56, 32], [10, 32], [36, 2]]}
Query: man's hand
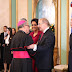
{"points": [[30, 46], [5, 38], [11, 52]]}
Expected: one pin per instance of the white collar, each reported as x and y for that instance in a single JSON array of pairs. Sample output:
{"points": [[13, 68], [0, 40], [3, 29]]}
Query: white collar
{"points": [[5, 32], [45, 30]]}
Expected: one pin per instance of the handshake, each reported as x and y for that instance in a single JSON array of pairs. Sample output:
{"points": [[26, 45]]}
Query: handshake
{"points": [[30, 46]]}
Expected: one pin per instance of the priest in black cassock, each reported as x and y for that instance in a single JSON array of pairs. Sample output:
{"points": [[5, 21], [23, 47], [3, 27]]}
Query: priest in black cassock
{"points": [[21, 61]]}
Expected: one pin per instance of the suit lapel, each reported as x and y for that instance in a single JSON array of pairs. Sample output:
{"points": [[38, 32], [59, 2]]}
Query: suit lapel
{"points": [[3, 35], [44, 36], [40, 41]]}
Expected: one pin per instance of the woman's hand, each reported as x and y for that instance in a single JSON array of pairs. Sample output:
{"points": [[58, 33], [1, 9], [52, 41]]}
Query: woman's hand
{"points": [[30, 46]]}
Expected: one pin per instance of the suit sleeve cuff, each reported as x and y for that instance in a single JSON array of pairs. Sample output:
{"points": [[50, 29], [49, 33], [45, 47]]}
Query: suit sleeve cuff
{"points": [[35, 47]]}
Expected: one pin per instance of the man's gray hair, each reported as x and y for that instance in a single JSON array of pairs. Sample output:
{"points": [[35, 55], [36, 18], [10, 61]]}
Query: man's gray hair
{"points": [[44, 20], [24, 19]]}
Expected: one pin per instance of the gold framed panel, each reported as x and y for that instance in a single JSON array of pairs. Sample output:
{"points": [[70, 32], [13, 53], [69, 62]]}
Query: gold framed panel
{"points": [[67, 30], [27, 9], [60, 31], [16, 15]]}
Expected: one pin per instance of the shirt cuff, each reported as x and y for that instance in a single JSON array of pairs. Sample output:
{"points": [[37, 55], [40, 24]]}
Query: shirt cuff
{"points": [[35, 47]]}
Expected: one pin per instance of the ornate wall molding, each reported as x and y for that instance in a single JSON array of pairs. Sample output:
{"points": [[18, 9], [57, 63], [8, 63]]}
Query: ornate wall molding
{"points": [[55, 2], [10, 13], [67, 30]]}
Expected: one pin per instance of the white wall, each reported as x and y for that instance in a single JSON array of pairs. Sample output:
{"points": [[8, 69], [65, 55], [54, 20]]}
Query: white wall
{"points": [[4, 14]]}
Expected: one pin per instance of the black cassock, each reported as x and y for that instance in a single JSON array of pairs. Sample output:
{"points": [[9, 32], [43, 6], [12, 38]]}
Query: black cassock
{"points": [[19, 42]]}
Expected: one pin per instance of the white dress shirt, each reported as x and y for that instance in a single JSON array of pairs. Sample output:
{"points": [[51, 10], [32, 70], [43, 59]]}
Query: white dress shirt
{"points": [[7, 40], [35, 46], [5, 33]]}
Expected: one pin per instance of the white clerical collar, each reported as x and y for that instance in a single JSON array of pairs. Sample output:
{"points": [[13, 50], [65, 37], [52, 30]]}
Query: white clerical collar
{"points": [[45, 30]]}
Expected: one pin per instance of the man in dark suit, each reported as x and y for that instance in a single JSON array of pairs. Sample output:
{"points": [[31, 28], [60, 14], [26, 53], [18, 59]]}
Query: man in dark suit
{"points": [[45, 47], [70, 55], [70, 52], [2, 45]]}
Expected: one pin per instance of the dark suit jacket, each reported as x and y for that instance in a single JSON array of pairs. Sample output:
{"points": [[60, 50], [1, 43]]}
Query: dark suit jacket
{"points": [[44, 53], [0, 48], [2, 41], [71, 41], [2, 38], [70, 54]]}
